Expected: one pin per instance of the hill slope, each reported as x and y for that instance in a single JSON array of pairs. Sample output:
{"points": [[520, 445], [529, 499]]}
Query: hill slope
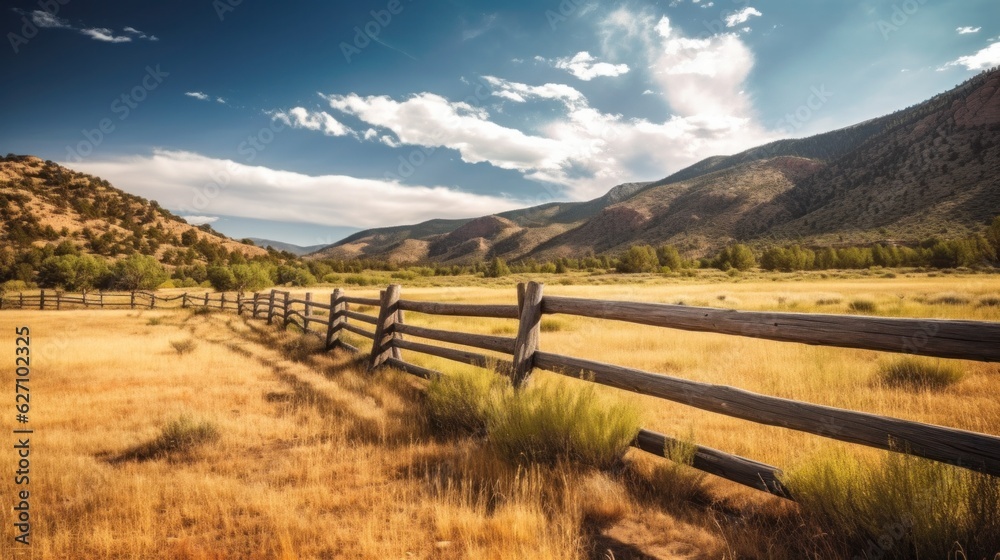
{"points": [[42, 203], [928, 170]]}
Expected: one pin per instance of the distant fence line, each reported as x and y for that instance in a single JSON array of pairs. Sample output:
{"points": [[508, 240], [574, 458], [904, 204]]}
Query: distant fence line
{"points": [[969, 340]]}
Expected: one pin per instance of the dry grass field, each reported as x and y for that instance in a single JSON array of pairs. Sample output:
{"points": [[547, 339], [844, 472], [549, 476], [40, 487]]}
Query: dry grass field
{"points": [[248, 442]]}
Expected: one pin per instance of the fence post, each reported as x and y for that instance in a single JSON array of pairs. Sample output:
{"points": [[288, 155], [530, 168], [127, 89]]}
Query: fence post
{"points": [[222, 301], [58, 300], [308, 311], [386, 327], [20, 300], [101, 293], [396, 352], [184, 300], [41, 301], [152, 300], [85, 299], [333, 325], [131, 301], [206, 299], [527, 334], [270, 308], [284, 312], [256, 304]]}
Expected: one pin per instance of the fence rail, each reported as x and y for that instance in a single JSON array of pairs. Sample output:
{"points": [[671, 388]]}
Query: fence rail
{"points": [[969, 340]]}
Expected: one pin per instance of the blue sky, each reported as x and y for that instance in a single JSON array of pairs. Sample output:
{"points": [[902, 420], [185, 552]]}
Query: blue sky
{"points": [[306, 122]]}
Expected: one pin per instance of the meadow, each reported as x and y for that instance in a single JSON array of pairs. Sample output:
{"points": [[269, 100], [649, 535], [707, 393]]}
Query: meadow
{"points": [[174, 434]]}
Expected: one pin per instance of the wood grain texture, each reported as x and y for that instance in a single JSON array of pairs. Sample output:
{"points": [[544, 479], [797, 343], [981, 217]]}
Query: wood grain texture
{"points": [[460, 309], [966, 340], [486, 342], [528, 333], [971, 450], [731, 467]]}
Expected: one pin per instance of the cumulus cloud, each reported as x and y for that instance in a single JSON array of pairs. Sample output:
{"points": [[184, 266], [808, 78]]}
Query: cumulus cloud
{"points": [[576, 147], [741, 16], [197, 185], [321, 121], [987, 57], [967, 29], [197, 95], [586, 67], [104, 34]]}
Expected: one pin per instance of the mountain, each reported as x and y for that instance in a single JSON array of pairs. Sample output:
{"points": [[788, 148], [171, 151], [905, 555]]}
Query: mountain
{"points": [[508, 234], [282, 246], [42, 203], [932, 169]]}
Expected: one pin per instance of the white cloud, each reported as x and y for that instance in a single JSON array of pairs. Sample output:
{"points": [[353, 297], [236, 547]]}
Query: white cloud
{"points": [[967, 29], [987, 57], [197, 95], [702, 76], [104, 34], [427, 119], [736, 18], [45, 19], [321, 121], [581, 148], [140, 34], [220, 100], [198, 185], [586, 67], [200, 220]]}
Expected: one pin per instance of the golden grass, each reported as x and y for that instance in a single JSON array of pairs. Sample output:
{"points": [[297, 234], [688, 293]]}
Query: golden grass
{"points": [[304, 458], [316, 459]]}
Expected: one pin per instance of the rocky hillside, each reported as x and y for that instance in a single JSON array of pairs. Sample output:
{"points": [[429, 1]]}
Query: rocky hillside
{"points": [[42, 203], [928, 170]]}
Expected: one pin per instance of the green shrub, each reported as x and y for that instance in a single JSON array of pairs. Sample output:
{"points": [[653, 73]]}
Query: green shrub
{"points": [[545, 422], [900, 507], [549, 422], [862, 306], [459, 403], [919, 374]]}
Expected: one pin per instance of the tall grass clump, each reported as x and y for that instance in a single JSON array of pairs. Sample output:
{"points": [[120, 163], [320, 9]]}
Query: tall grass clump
{"points": [[459, 403], [676, 480], [548, 422], [919, 374], [900, 507], [184, 346], [862, 306]]}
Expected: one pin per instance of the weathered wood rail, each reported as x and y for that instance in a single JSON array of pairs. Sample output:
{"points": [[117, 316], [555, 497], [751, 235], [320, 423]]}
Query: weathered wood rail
{"points": [[518, 356]]}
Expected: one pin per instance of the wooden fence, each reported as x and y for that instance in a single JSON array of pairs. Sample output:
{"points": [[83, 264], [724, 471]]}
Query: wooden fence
{"points": [[969, 340]]}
